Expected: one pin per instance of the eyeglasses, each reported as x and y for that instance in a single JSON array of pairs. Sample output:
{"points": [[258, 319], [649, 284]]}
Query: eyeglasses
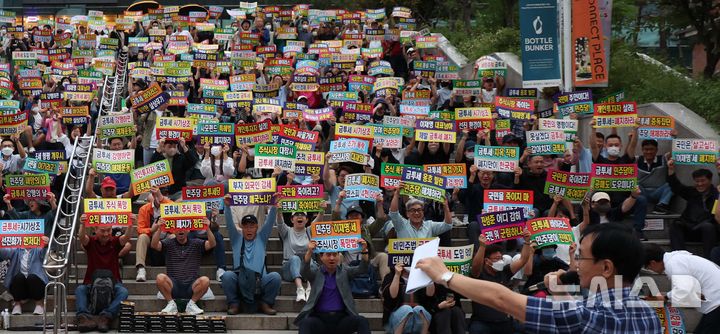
{"points": [[415, 210], [578, 258]]}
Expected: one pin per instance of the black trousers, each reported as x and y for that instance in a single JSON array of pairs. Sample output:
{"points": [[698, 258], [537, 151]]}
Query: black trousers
{"points": [[30, 287], [449, 321], [706, 231], [334, 323], [709, 323]]}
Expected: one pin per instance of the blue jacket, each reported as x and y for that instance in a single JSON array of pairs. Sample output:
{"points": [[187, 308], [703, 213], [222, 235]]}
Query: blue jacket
{"points": [[254, 249], [15, 255]]}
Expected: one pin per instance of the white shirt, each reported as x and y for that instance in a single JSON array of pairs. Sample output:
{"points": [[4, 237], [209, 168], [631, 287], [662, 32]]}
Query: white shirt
{"points": [[25, 262], [703, 270], [153, 135], [563, 251]]}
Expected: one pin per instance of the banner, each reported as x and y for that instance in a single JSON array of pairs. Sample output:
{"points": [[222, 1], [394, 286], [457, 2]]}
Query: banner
{"points": [[354, 131], [497, 158], [22, 233], [157, 174], [59, 156], [336, 236], [362, 186], [349, 150], [656, 127], [317, 115], [457, 259], [388, 136], [107, 211], [588, 50], [539, 44], [500, 200], [245, 192], [174, 128], [27, 186], [41, 166], [183, 216], [309, 163], [455, 174], [548, 231], [421, 184], [303, 140], [671, 320], [517, 109], [543, 142], [474, 118], [694, 151], [430, 130], [615, 115], [113, 126], [113, 162], [268, 156], [401, 250], [213, 196], [577, 102], [253, 133], [149, 99], [13, 123], [572, 186], [502, 225], [611, 177], [302, 198], [568, 126]]}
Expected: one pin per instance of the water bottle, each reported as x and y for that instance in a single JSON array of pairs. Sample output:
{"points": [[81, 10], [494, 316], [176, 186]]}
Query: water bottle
{"points": [[6, 319]]}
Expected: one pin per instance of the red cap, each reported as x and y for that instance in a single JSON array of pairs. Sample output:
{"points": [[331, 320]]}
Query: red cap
{"points": [[108, 182]]}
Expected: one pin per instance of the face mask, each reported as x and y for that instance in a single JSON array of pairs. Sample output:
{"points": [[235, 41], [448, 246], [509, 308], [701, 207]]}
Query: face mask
{"points": [[7, 151], [305, 26], [170, 152], [602, 208], [498, 265], [215, 150], [548, 253], [314, 33], [613, 151], [470, 155], [267, 26]]}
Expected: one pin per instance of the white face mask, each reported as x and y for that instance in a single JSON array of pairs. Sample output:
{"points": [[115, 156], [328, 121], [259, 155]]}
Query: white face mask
{"points": [[613, 151], [215, 150], [305, 26], [7, 151], [470, 155], [498, 265], [267, 26]]}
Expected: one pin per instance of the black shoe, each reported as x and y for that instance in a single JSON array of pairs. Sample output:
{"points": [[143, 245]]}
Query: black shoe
{"points": [[661, 209], [86, 324], [641, 236]]}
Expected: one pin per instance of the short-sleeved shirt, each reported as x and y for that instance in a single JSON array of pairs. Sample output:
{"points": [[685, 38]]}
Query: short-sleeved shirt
{"points": [[183, 261], [102, 257], [428, 229], [485, 313]]}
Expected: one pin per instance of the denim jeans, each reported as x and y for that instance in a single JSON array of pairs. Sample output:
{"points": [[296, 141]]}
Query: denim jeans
{"points": [[639, 212], [414, 322], [234, 288], [147, 155], [218, 251], [82, 293], [661, 195], [291, 269]]}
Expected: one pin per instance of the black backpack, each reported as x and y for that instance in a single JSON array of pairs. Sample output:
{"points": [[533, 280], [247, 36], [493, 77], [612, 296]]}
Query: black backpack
{"points": [[101, 290], [364, 285]]}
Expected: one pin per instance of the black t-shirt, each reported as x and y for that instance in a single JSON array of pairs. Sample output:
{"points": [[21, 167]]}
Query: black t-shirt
{"points": [[536, 183], [486, 313], [542, 266]]}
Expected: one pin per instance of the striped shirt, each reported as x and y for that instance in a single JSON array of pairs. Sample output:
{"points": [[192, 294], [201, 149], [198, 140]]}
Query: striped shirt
{"points": [[183, 261]]}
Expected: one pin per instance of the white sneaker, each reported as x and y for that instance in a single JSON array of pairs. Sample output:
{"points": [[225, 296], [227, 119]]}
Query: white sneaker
{"points": [[39, 310], [17, 309], [300, 295], [171, 308], [192, 308], [307, 292], [140, 275], [31, 150], [219, 274]]}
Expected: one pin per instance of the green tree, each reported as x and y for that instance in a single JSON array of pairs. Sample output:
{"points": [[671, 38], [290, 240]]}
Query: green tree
{"points": [[702, 15]]}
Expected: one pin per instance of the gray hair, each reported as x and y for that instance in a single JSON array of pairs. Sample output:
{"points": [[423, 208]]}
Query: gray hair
{"points": [[413, 201]]}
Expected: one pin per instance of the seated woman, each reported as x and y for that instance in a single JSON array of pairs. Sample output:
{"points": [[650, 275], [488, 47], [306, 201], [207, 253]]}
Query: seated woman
{"points": [[25, 278], [406, 313]]}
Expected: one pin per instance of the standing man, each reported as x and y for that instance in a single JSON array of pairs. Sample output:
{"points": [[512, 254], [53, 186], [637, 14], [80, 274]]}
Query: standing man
{"points": [[331, 307]]}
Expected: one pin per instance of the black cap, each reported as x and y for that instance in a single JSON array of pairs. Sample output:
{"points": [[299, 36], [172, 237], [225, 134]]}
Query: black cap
{"points": [[511, 138], [355, 208], [249, 219]]}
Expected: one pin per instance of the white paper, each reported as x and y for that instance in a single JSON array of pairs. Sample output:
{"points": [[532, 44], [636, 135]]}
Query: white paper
{"points": [[418, 279]]}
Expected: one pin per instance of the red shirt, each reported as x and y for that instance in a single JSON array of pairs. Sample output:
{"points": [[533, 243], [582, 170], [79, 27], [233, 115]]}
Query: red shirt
{"points": [[103, 257]]}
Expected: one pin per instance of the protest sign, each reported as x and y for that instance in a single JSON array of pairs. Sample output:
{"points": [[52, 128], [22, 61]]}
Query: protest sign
{"points": [[149, 99], [523, 93], [349, 150], [694, 151], [174, 128], [490, 67], [183, 216], [336, 236], [455, 174], [302, 198], [457, 259], [22, 233], [548, 231], [27, 186], [407, 109], [656, 127], [302, 140], [497, 158], [500, 200], [388, 136], [618, 96], [615, 115], [11, 124], [213, 196], [354, 131], [401, 250], [406, 122], [253, 133], [268, 156], [671, 320], [543, 142], [502, 225], [41, 166], [357, 112], [517, 109], [107, 211], [474, 118], [362, 186], [390, 174], [569, 185], [578, 102], [568, 126], [467, 87], [111, 126], [157, 174], [215, 133], [421, 184], [317, 115], [430, 130], [309, 163], [611, 177], [113, 162], [245, 192], [59, 156]]}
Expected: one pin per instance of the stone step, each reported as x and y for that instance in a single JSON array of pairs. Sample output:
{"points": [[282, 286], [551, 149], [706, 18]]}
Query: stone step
{"points": [[128, 272], [149, 288]]}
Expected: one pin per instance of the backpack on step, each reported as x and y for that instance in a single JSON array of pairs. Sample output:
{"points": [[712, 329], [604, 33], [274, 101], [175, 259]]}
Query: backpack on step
{"points": [[364, 285], [101, 291]]}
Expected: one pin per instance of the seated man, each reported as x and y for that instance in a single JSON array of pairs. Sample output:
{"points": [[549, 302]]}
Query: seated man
{"points": [[652, 177], [147, 216], [697, 221], [102, 255], [182, 257], [416, 226], [331, 308], [248, 245]]}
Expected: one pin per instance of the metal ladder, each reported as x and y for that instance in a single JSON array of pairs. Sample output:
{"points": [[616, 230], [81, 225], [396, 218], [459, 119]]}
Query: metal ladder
{"points": [[60, 248]]}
